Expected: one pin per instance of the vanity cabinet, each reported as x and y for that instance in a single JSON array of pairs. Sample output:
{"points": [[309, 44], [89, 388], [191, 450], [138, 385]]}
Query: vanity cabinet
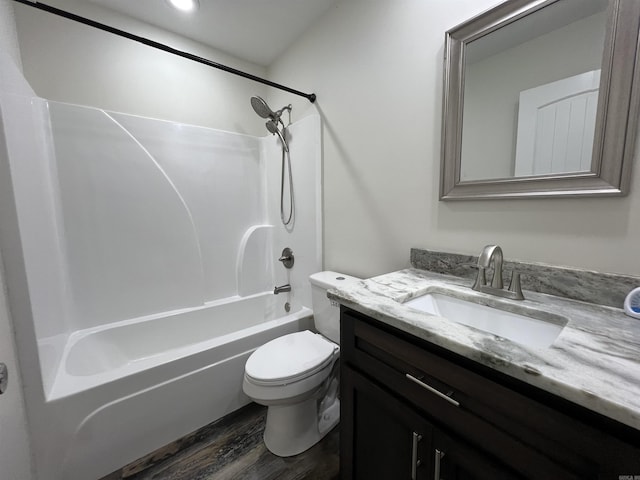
{"points": [[412, 410]]}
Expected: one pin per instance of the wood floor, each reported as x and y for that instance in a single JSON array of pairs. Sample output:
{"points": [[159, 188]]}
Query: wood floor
{"points": [[232, 448]]}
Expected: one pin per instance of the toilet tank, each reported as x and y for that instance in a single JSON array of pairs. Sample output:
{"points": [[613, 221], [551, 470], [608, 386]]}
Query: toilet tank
{"points": [[326, 314]]}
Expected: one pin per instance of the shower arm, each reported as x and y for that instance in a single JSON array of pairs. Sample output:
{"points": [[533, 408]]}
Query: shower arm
{"points": [[161, 46], [281, 111]]}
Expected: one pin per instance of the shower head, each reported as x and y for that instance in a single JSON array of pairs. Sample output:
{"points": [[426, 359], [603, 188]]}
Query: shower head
{"points": [[273, 128], [261, 108]]}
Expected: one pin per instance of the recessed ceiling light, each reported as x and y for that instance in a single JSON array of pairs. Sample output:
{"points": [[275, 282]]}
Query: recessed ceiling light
{"points": [[184, 5]]}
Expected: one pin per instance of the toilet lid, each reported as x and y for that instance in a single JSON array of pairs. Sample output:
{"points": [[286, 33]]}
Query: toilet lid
{"points": [[289, 358]]}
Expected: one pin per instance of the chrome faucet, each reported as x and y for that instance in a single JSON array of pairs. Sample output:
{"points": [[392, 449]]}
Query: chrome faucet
{"points": [[282, 289], [494, 253]]}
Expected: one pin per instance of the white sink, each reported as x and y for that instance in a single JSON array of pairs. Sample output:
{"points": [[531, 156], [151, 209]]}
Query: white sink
{"points": [[519, 328]]}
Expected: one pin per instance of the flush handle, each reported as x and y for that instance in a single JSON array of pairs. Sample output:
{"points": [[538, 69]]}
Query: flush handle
{"points": [[4, 378]]}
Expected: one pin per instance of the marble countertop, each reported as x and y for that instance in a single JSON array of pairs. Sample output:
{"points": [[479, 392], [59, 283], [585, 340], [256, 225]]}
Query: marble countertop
{"points": [[594, 362]]}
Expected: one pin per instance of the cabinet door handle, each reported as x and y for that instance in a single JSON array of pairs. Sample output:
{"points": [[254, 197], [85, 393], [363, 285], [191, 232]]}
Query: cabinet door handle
{"points": [[433, 390], [436, 469], [415, 461]]}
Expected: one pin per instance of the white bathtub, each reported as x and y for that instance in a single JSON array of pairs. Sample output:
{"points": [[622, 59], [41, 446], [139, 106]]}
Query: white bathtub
{"points": [[125, 389]]}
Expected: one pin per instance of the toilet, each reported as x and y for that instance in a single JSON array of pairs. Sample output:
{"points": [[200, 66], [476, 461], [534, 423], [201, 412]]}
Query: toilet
{"points": [[296, 376]]}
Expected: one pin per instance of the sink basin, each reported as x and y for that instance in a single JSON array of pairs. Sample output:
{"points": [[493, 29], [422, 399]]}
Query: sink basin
{"points": [[526, 330]]}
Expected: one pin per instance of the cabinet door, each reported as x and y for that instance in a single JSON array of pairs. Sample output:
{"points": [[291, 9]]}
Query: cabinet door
{"points": [[381, 438], [384, 438], [453, 459]]}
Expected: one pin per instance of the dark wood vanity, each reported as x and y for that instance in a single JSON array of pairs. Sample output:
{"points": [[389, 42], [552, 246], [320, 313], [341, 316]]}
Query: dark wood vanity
{"points": [[414, 410]]}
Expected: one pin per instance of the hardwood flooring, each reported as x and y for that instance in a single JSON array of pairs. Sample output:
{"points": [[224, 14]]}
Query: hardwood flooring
{"points": [[232, 448]]}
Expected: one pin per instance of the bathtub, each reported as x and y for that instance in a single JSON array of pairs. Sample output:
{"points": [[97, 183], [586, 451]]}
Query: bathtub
{"points": [[126, 389]]}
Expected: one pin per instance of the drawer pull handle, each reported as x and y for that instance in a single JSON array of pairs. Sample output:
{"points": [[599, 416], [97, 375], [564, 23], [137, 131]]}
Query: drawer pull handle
{"points": [[436, 470], [415, 461], [433, 390]]}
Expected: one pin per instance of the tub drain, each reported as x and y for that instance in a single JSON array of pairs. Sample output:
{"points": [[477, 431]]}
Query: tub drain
{"points": [[287, 307]]}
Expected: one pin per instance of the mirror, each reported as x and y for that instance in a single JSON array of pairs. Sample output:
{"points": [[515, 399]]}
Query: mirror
{"points": [[540, 100]]}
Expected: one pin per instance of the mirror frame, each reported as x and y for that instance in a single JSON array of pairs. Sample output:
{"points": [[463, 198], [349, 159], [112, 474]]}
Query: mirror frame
{"points": [[616, 118]]}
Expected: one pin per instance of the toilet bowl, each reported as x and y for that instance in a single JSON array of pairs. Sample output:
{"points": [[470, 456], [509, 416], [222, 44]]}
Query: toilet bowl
{"points": [[296, 376]]}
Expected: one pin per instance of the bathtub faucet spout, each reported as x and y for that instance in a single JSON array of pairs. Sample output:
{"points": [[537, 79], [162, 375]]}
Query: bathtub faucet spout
{"points": [[282, 289]]}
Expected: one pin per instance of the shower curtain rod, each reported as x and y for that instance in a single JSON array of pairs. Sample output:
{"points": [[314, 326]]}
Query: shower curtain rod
{"points": [[161, 46]]}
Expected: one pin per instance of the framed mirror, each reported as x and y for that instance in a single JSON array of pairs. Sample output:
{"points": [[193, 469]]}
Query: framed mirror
{"points": [[541, 100]]}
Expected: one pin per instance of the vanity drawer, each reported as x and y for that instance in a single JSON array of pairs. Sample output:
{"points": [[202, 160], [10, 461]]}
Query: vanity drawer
{"points": [[470, 400]]}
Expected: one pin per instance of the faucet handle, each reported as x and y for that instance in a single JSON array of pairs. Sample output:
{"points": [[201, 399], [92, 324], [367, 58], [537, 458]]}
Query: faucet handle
{"points": [[287, 258], [515, 287]]}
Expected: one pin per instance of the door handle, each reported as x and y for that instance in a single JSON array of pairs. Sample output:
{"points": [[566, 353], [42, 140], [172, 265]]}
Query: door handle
{"points": [[415, 461], [436, 469]]}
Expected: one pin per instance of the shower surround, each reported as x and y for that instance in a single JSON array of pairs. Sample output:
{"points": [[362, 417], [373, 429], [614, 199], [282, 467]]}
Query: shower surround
{"points": [[143, 261]]}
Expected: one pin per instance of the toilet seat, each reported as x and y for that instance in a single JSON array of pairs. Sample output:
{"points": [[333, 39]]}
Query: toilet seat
{"points": [[290, 358]]}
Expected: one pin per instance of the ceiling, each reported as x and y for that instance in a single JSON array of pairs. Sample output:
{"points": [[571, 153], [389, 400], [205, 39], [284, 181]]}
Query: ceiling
{"points": [[254, 30]]}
